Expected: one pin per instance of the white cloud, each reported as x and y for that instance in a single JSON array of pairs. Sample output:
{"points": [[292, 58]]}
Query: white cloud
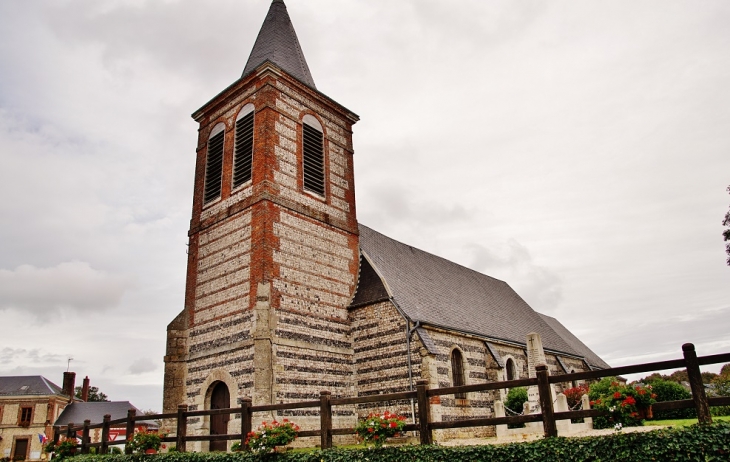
{"points": [[67, 286], [142, 365]]}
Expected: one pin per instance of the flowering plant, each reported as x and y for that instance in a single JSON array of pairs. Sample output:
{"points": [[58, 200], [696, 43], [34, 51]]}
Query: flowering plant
{"points": [[575, 394], [270, 435], [143, 441], [376, 428], [626, 404], [65, 448]]}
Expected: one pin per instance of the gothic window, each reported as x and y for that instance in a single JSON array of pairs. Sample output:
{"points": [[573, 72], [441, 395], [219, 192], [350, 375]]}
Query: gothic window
{"points": [[457, 372], [313, 155], [214, 164], [243, 152], [510, 367]]}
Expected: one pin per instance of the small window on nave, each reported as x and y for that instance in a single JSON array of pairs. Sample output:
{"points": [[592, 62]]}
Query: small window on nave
{"points": [[457, 372]]}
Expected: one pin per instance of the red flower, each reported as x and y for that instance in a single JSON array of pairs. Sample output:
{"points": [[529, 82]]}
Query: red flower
{"points": [[393, 425], [617, 395], [629, 401], [371, 429]]}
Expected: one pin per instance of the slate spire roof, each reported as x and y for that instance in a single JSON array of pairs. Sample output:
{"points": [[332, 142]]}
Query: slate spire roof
{"points": [[277, 42]]}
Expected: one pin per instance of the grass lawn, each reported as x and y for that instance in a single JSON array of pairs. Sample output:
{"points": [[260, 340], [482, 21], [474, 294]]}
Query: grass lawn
{"points": [[683, 422]]}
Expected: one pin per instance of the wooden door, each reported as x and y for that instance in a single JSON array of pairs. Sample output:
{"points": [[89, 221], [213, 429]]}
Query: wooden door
{"points": [[21, 449], [219, 399]]}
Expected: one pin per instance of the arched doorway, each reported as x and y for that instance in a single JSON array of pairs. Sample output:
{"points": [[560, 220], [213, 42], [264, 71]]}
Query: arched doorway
{"points": [[220, 398]]}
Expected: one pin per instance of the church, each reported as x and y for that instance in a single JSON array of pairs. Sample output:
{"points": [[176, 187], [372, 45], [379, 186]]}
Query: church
{"points": [[287, 294]]}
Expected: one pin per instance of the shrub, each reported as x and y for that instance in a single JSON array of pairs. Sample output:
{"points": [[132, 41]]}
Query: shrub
{"points": [[516, 398], [666, 390], [681, 444], [376, 428]]}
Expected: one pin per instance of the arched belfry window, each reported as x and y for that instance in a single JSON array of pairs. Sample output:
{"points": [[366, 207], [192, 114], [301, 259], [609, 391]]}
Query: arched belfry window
{"points": [[457, 372], [313, 155], [214, 164], [243, 151], [510, 367]]}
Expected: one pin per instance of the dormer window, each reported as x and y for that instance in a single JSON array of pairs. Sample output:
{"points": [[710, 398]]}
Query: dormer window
{"points": [[313, 155], [214, 164], [243, 151]]}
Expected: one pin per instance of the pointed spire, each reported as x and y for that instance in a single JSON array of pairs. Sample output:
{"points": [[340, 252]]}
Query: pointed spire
{"points": [[277, 42]]}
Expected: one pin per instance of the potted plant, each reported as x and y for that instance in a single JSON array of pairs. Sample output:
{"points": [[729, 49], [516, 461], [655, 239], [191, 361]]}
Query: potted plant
{"points": [[270, 435], [377, 428], [145, 442], [65, 448]]}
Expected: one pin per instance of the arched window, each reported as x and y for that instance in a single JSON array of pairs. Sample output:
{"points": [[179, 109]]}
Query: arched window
{"points": [[510, 367], [243, 151], [313, 155], [214, 164], [457, 372]]}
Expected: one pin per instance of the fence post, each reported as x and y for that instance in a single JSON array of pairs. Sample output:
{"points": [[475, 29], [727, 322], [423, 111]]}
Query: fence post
{"points": [[546, 401], [325, 419], [105, 434], [246, 421], [424, 412], [131, 414], [70, 432], [85, 437], [182, 427], [56, 434], [695, 383]]}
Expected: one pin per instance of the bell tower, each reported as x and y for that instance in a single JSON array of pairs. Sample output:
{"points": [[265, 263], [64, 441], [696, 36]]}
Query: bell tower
{"points": [[273, 239]]}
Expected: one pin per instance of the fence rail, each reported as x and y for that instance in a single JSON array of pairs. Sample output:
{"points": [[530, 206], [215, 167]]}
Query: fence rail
{"points": [[424, 425]]}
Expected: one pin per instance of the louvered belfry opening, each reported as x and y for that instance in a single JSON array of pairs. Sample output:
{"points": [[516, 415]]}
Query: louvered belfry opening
{"points": [[243, 156], [313, 160], [214, 168], [457, 372]]}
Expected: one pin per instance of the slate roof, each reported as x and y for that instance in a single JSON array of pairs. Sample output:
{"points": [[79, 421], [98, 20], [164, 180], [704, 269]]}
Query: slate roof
{"points": [[277, 42], [77, 412], [441, 293], [28, 385], [593, 359]]}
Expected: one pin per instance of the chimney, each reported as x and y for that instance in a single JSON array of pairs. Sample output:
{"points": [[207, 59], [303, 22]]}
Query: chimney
{"points": [[69, 383], [85, 390]]}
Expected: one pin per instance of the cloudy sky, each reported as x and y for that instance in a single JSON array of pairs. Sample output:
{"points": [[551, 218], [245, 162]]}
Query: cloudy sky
{"points": [[578, 150]]}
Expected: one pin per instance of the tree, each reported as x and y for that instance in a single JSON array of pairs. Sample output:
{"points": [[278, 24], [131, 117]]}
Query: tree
{"points": [[726, 233], [94, 394]]}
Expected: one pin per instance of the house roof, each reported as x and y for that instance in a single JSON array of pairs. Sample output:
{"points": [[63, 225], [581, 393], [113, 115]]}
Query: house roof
{"points": [[77, 412], [277, 42], [441, 293], [28, 385], [593, 359]]}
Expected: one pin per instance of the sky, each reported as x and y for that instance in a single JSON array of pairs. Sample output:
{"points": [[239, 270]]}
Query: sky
{"points": [[579, 151]]}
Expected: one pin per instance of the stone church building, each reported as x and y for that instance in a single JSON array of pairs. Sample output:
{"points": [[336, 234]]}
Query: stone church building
{"points": [[287, 294]]}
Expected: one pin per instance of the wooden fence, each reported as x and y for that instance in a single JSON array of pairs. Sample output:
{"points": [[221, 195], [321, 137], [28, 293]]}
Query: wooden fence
{"points": [[421, 395]]}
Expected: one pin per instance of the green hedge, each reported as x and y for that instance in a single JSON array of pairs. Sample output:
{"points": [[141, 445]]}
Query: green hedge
{"points": [[694, 443]]}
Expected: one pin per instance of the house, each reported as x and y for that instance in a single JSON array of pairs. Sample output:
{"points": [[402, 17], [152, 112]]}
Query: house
{"points": [[28, 406], [287, 294], [76, 413]]}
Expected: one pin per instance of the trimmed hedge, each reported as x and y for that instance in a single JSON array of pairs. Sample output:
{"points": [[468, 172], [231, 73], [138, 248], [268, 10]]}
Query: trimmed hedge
{"points": [[694, 443]]}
